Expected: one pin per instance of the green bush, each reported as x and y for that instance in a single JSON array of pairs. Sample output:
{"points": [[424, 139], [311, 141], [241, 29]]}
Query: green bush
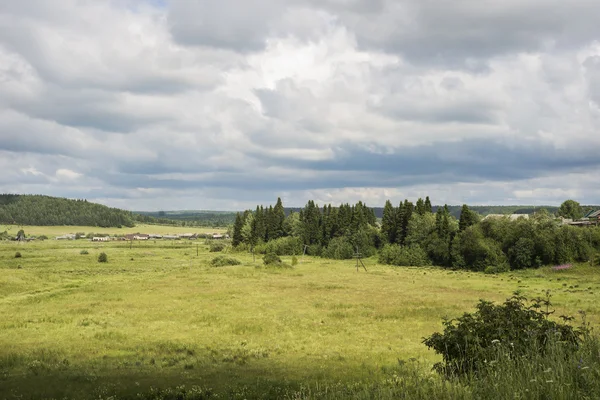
{"points": [[314, 250], [42, 237], [339, 248], [512, 329], [294, 261], [18, 255], [285, 246], [102, 257], [223, 261], [412, 256], [215, 247], [271, 259], [84, 252]]}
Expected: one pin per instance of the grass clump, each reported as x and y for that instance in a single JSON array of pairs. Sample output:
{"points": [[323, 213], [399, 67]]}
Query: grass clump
{"points": [[102, 258], [84, 252], [18, 254], [223, 261]]}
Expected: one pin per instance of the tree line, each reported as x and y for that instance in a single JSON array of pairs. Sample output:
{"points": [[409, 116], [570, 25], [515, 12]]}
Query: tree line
{"points": [[412, 234]]}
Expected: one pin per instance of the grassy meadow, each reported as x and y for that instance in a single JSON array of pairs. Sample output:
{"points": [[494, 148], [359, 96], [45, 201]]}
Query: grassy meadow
{"points": [[53, 231], [157, 315]]}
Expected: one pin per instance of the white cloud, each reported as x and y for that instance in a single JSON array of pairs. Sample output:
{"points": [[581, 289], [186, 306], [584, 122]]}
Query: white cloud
{"points": [[205, 104]]}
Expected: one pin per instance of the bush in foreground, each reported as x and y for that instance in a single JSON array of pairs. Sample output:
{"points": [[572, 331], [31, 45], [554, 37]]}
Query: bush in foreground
{"points": [[494, 333], [223, 261], [102, 258], [18, 254]]}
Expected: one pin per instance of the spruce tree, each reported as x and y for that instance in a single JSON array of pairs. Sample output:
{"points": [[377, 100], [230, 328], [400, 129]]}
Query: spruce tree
{"points": [[279, 219], [428, 207], [237, 230], [389, 225], [420, 208], [467, 218]]}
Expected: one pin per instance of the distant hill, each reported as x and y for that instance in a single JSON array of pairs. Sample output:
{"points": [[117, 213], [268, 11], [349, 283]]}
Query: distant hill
{"points": [[203, 218], [48, 211]]}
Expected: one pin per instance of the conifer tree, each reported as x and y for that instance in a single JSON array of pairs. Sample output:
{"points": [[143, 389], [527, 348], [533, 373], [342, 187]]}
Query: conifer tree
{"points": [[428, 207], [467, 218], [237, 237], [278, 219], [420, 208], [389, 224]]}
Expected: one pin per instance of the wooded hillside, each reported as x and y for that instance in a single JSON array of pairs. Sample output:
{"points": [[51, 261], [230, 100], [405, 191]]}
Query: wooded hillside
{"points": [[46, 211]]}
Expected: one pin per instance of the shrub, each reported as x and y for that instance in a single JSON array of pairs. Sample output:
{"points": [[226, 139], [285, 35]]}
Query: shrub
{"points": [[84, 252], [294, 261], [285, 246], [223, 261], [513, 328], [42, 237], [102, 257], [271, 259], [314, 250], [18, 255], [394, 254], [215, 247], [339, 248]]}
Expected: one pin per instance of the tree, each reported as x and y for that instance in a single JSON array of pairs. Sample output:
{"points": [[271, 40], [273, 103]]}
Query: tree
{"points": [[428, 207], [420, 207], [237, 230], [570, 209], [467, 218], [388, 222], [21, 235], [279, 218]]}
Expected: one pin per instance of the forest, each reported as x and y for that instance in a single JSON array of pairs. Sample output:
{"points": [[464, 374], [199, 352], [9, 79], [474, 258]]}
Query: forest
{"points": [[49, 211], [413, 234]]}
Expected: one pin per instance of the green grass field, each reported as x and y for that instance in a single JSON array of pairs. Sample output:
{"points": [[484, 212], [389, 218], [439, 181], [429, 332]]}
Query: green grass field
{"points": [[53, 231], [158, 315]]}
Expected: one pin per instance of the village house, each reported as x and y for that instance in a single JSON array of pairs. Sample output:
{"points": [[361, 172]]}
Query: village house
{"points": [[66, 237], [188, 236], [101, 239]]}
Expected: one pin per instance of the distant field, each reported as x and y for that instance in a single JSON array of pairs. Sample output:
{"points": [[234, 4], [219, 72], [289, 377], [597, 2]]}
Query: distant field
{"points": [[159, 315], [141, 228]]}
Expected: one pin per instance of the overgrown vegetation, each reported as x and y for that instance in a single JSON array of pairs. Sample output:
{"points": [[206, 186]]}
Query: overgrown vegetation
{"points": [[102, 258], [511, 330], [224, 261], [413, 235]]}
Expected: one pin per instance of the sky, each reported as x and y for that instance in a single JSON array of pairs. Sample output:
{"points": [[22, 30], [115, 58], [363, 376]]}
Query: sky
{"points": [[223, 104]]}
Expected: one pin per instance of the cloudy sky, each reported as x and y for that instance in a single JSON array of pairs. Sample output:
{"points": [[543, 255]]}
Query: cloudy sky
{"points": [[223, 104]]}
